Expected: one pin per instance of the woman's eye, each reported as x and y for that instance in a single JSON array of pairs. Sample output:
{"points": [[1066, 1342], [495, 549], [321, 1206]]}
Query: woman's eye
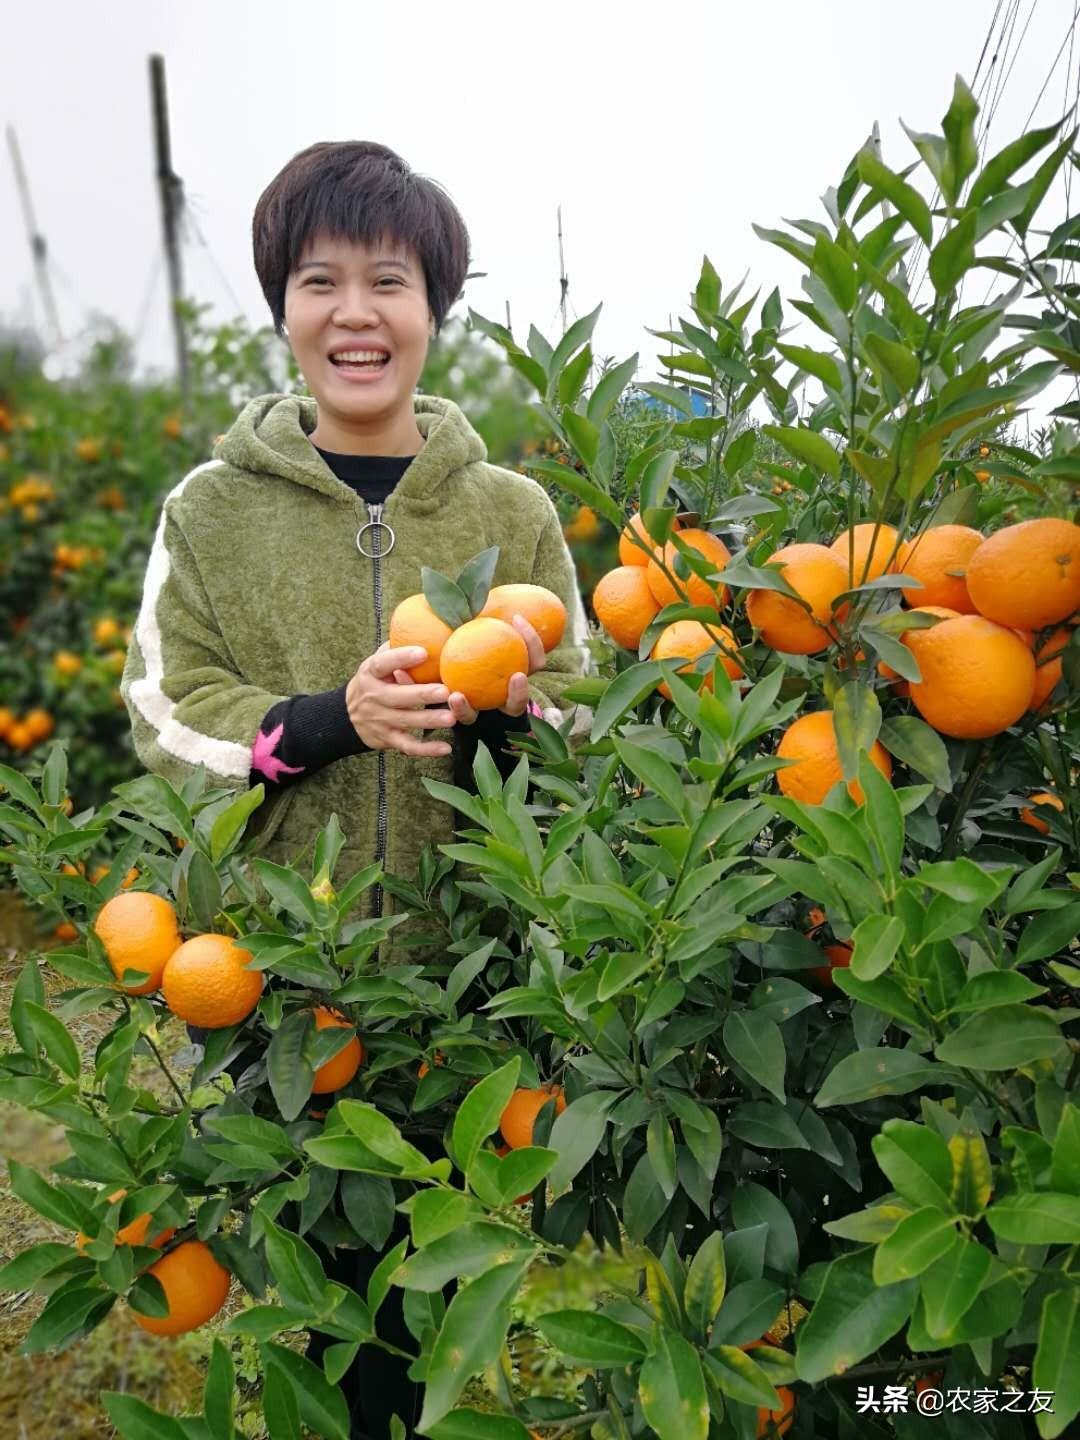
{"points": [[392, 279], [319, 280]]}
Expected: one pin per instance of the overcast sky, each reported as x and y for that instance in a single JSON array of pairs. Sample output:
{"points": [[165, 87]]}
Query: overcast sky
{"points": [[663, 131]]}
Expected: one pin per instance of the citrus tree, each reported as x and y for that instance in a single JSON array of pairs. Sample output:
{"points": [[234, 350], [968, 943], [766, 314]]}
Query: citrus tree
{"points": [[745, 1081]]}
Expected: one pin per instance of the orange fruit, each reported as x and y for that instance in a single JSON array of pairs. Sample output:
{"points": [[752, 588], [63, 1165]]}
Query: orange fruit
{"points": [[1041, 797], [541, 607], [196, 1286], [886, 671], [66, 931], [129, 879], [697, 591], [982, 476], [629, 552], [625, 605], [977, 677], [837, 955], [415, 623], [479, 658], [691, 639], [208, 982], [66, 663], [777, 1422], [865, 551], [134, 1233], [1028, 574], [437, 1059], [7, 719], [811, 741], [106, 630], [939, 559], [818, 576], [139, 931], [1048, 666], [20, 736], [77, 869], [929, 1382], [522, 1108], [39, 723], [337, 1072]]}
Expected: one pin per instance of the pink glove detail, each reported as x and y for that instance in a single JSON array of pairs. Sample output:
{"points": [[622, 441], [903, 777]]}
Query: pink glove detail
{"points": [[265, 761]]}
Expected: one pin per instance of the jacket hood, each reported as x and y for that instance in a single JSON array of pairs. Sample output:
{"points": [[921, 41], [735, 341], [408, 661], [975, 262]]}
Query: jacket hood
{"points": [[270, 436]]}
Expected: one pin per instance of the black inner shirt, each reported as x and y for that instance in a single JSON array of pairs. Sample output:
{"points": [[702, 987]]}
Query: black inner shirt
{"points": [[371, 476]]}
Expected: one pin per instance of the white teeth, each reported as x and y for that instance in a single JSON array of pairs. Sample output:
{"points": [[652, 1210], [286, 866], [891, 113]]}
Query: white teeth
{"points": [[357, 357]]}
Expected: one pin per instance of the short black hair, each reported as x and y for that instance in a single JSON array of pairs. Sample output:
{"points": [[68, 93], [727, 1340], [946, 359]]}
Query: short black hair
{"points": [[359, 191]]}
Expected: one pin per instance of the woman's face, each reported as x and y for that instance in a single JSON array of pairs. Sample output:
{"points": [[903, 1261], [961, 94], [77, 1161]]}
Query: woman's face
{"points": [[345, 301]]}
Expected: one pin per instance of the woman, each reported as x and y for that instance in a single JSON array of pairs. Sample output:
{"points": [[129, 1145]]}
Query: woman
{"points": [[260, 648]]}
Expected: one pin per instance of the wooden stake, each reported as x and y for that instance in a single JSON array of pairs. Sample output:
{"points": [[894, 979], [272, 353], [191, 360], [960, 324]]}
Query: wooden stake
{"points": [[564, 279], [38, 248], [171, 190]]}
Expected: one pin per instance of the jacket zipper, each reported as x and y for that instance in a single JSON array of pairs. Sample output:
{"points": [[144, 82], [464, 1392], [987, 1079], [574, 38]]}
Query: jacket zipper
{"points": [[375, 513]]}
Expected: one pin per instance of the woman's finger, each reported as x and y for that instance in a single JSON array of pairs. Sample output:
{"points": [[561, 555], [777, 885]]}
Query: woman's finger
{"points": [[412, 696], [535, 646], [462, 709], [517, 695], [410, 746]]}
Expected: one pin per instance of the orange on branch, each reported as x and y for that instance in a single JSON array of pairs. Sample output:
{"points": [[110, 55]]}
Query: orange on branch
{"points": [[196, 1286], [134, 1233], [415, 623], [939, 558], [208, 982], [631, 553], [977, 677], [479, 658], [1048, 666], [838, 956], [139, 932], [886, 671], [625, 605], [340, 1069], [1028, 575], [540, 606], [522, 1108], [695, 590], [817, 575], [1041, 797], [865, 551], [811, 741], [690, 639], [776, 1422]]}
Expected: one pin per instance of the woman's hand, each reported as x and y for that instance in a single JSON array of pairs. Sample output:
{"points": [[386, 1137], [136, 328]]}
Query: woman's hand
{"points": [[383, 712], [517, 696]]}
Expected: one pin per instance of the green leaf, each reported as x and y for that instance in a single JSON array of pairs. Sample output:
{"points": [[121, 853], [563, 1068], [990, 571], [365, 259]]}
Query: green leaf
{"points": [[281, 1410], [1035, 1218], [1002, 1039], [591, 1340], [837, 269], [1048, 933], [477, 577], [961, 880], [995, 987], [767, 1125], [671, 1389], [219, 1393], [884, 817], [897, 361], [368, 1202], [739, 1376], [1065, 1158], [869, 1074], [296, 1269], [24, 1270], [916, 1161], [322, 1406], [288, 890], [381, 1136], [660, 1144], [624, 692], [755, 1043], [856, 722], [753, 1205], [851, 1318], [436, 1213], [997, 170], [288, 1066], [822, 367], [54, 1039], [951, 1285], [471, 1336], [56, 1205], [806, 445], [468, 1250], [954, 254], [706, 1281], [576, 1135], [577, 335], [230, 823], [898, 192], [481, 1111], [962, 146], [657, 773], [468, 1424], [135, 1420], [876, 940], [1056, 1368], [919, 1240], [914, 743]]}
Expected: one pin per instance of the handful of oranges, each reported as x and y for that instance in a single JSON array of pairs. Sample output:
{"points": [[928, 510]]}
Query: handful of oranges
{"points": [[466, 627]]}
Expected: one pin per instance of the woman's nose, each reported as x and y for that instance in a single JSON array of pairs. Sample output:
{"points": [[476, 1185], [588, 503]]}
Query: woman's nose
{"points": [[355, 308]]}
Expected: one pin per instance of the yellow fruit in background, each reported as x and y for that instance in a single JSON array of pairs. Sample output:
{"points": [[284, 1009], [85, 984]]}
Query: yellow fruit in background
{"points": [[415, 623], [66, 663], [39, 723], [7, 719], [625, 605], [540, 606], [106, 630], [88, 449], [816, 574], [479, 659]]}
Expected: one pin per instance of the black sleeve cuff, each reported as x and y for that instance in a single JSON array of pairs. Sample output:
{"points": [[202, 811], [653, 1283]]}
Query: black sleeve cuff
{"points": [[300, 735], [493, 728]]}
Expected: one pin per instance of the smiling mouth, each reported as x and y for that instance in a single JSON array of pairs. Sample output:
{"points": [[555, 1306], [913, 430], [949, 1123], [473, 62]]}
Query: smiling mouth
{"points": [[373, 363]]}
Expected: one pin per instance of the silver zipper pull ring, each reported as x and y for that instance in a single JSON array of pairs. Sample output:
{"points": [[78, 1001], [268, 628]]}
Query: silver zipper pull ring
{"points": [[375, 525]]}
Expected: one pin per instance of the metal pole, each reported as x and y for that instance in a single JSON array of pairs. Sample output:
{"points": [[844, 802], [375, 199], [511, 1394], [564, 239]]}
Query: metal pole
{"points": [[564, 279], [171, 190], [38, 248]]}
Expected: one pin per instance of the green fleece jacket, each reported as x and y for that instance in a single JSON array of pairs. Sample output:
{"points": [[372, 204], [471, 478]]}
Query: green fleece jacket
{"points": [[256, 590]]}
